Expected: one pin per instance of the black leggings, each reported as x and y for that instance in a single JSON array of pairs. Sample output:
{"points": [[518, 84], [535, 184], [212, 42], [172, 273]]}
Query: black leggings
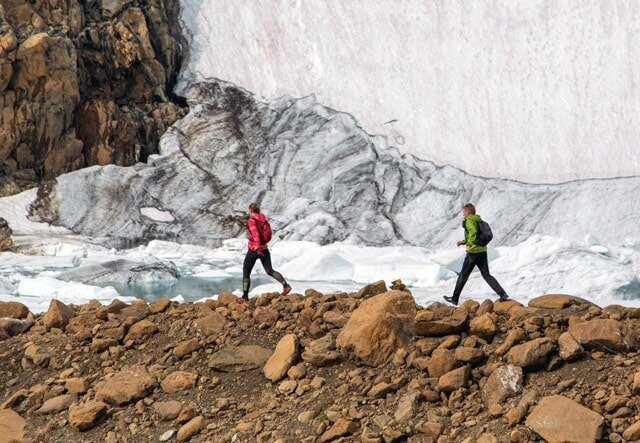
{"points": [[472, 260], [250, 261]]}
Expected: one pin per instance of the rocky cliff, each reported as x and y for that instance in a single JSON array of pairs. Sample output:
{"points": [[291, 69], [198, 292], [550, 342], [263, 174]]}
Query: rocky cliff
{"points": [[84, 83]]}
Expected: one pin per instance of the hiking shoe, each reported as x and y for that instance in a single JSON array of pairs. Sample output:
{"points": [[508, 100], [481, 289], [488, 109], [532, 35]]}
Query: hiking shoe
{"points": [[504, 297], [286, 290], [451, 300]]}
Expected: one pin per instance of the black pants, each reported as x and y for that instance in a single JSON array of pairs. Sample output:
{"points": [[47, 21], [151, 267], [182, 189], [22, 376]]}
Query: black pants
{"points": [[472, 260], [250, 261]]}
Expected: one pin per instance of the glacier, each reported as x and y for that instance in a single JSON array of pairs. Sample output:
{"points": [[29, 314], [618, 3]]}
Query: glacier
{"points": [[535, 91]]}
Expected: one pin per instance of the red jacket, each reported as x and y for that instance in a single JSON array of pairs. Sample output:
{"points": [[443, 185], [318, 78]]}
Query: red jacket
{"points": [[252, 233]]}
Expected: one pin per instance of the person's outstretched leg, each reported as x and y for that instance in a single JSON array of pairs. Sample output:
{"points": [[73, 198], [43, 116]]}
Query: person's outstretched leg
{"points": [[465, 272], [265, 259], [483, 265], [247, 267]]}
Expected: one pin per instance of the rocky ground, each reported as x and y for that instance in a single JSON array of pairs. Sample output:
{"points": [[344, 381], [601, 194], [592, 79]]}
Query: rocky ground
{"points": [[84, 83], [370, 366]]}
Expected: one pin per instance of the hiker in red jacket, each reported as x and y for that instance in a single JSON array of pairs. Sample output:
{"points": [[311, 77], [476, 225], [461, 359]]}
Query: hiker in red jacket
{"points": [[259, 234]]}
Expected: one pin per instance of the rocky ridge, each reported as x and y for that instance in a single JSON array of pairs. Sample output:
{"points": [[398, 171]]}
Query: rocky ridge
{"points": [[308, 368], [84, 83]]}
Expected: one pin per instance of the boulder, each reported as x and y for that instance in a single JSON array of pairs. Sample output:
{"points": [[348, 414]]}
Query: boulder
{"points": [[557, 301], [455, 379], [6, 243], [11, 426], [159, 305], [504, 382], [13, 309], [533, 353], [632, 433], [39, 356], [407, 406], [483, 326], [240, 358], [372, 289], [58, 315], [341, 428], [568, 347], [191, 428], [441, 362], [212, 324], [141, 330], [167, 410], [57, 404], [10, 327], [467, 354], [178, 381], [186, 347], [427, 325], [283, 357], [87, 415], [322, 352], [378, 328], [126, 386], [600, 334], [559, 419]]}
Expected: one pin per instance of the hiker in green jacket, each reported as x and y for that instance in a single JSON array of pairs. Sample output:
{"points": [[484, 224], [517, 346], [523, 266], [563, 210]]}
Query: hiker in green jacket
{"points": [[476, 256]]}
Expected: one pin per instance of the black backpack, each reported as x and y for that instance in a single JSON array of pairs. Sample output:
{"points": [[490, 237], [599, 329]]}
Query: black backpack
{"points": [[484, 235]]}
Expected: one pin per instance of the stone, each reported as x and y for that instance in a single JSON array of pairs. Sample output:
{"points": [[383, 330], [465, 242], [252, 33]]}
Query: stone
{"points": [[379, 327], [514, 337], [600, 334], [321, 352], [297, 372], [341, 428], [212, 324], [483, 326], [137, 311], [466, 354], [372, 289], [191, 428], [167, 410], [126, 386], [379, 390], [557, 419], [504, 382], [58, 315], [86, 416], [168, 435], [101, 344], [285, 354], [185, 348], [487, 438], [454, 379], [531, 354], [13, 309], [441, 362], [632, 433], [407, 407], [10, 327], [239, 359], [11, 426], [636, 383], [569, 348], [159, 306], [6, 243], [515, 415], [178, 381], [427, 325], [57, 404], [142, 329], [226, 298], [265, 317], [334, 318], [76, 385], [287, 387], [40, 356], [557, 301]]}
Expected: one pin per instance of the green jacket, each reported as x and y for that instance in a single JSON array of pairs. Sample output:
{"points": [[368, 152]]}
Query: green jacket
{"points": [[470, 225]]}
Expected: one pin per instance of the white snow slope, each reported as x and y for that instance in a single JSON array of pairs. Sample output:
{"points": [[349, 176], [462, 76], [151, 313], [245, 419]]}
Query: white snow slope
{"points": [[536, 91]]}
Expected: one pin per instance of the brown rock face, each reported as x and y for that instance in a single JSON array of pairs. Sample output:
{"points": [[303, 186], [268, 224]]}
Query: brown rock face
{"points": [[11, 426], [83, 85], [602, 334], [126, 386], [378, 328], [557, 418], [87, 415], [58, 315], [283, 357]]}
